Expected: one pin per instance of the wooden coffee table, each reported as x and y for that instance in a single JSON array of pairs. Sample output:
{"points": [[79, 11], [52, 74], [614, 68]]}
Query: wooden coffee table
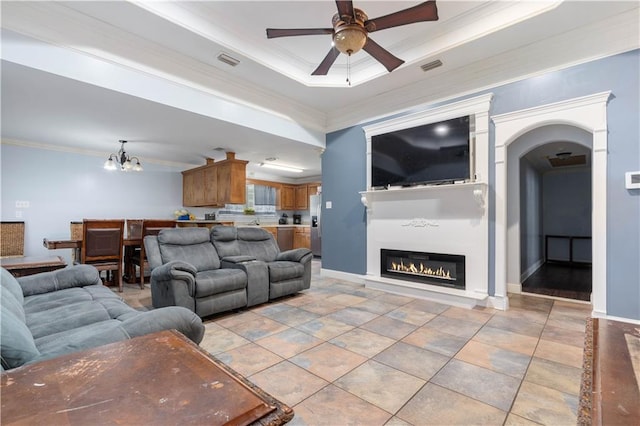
{"points": [[160, 378]]}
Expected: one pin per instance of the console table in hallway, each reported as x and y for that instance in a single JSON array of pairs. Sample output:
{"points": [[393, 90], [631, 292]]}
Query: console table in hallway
{"points": [[159, 379]]}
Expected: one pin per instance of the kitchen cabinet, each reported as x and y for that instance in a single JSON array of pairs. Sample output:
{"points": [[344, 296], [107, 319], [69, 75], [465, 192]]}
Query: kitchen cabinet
{"points": [[285, 237], [302, 237], [286, 198], [301, 197], [215, 184], [312, 188], [273, 230]]}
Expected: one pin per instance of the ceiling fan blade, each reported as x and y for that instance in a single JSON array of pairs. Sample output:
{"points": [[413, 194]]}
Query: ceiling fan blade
{"points": [[326, 63], [382, 55], [426, 11], [274, 32], [345, 7]]}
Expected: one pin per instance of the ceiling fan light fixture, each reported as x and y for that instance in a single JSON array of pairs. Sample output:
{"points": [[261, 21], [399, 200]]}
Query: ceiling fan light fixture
{"points": [[350, 38]]}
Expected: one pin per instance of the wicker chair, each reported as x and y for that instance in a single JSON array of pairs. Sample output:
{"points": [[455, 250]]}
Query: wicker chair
{"points": [[11, 239]]}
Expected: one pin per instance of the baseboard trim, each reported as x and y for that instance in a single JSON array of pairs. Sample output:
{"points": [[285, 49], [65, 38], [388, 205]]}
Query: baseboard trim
{"points": [[340, 275], [531, 269], [514, 288], [614, 318]]}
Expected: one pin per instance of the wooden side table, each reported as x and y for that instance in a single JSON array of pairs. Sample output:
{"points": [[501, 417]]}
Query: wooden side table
{"points": [[29, 265]]}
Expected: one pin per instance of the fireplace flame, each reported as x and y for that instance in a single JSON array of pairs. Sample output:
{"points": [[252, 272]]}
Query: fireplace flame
{"points": [[421, 269]]}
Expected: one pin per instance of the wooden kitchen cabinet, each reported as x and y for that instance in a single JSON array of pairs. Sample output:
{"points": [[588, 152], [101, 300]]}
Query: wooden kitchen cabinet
{"points": [[302, 237], [286, 197], [312, 188], [215, 184], [301, 197], [273, 230]]}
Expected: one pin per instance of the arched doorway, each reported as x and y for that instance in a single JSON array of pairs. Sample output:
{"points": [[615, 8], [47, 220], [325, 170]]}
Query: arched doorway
{"points": [[550, 174], [588, 113]]}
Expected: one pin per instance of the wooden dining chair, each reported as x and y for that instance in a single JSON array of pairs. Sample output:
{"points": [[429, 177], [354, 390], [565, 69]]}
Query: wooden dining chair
{"points": [[102, 242], [149, 227]]}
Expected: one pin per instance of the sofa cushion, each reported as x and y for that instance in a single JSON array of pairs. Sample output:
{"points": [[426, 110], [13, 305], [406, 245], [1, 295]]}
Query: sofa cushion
{"points": [[67, 317], [17, 345], [11, 285], [9, 303], [190, 245], [219, 281], [283, 270], [224, 238], [77, 339], [55, 299]]}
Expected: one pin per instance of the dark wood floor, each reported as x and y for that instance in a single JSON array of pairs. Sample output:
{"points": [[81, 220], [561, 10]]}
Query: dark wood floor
{"points": [[571, 281]]}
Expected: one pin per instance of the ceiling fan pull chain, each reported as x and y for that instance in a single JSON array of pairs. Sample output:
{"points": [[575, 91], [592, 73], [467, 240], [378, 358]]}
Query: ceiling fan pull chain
{"points": [[349, 69]]}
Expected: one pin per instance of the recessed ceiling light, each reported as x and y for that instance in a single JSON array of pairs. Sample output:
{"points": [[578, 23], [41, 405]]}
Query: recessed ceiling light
{"points": [[281, 167]]}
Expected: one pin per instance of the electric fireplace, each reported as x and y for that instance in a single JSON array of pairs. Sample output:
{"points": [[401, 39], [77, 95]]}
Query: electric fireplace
{"points": [[447, 270]]}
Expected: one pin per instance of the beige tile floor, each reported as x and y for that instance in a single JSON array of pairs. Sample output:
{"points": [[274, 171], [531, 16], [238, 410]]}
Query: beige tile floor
{"points": [[341, 354]]}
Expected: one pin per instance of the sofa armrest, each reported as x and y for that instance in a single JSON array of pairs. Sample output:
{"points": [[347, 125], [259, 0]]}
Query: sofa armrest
{"points": [[171, 317], [72, 276], [295, 255], [174, 269], [238, 259]]}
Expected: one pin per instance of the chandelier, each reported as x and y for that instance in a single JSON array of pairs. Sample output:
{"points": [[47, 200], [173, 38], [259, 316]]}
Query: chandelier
{"points": [[123, 160]]}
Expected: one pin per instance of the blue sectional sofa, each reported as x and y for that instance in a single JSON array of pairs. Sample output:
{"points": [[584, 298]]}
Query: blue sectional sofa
{"points": [[54, 313]]}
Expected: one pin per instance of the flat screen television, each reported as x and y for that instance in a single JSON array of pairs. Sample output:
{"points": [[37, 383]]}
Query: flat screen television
{"points": [[429, 154]]}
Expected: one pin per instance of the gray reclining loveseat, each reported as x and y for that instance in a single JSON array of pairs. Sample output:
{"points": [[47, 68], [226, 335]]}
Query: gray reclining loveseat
{"points": [[50, 314], [223, 269], [288, 271]]}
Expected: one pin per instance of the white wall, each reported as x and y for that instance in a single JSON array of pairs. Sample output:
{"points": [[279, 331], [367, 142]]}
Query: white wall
{"points": [[62, 187]]}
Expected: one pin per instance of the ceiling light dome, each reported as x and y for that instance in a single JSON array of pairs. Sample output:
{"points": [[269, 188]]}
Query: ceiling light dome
{"points": [[349, 39], [349, 34]]}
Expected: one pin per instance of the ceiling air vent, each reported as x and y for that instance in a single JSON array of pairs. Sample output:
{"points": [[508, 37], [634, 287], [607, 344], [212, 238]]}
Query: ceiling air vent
{"points": [[223, 57], [564, 159], [431, 65]]}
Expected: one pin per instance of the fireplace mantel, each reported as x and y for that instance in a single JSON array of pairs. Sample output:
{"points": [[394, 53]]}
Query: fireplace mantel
{"points": [[477, 189], [449, 218]]}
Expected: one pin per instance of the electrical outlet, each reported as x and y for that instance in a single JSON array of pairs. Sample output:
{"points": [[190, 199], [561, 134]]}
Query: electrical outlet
{"points": [[18, 214]]}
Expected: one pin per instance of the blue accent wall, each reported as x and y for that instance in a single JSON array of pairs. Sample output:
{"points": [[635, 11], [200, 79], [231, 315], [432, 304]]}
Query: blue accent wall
{"points": [[345, 222], [620, 74]]}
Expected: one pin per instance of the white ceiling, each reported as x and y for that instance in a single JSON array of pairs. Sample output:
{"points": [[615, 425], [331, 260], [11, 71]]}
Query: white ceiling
{"points": [[269, 105]]}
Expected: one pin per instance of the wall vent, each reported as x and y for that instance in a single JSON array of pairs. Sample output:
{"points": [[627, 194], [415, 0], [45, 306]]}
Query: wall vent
{"points": [[223, 57], [431, 65]]}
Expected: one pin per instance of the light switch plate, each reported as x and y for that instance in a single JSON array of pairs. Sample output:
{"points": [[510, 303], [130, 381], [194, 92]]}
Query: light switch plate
{"points": [[329, 204], [632, 180]]}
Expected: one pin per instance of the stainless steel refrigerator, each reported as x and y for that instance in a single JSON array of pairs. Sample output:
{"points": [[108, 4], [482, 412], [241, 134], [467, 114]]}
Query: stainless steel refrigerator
{"points": [[315, 207]]}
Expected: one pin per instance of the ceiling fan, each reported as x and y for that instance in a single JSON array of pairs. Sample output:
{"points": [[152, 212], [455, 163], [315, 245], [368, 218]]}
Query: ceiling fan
{"points": [[351, 28]]}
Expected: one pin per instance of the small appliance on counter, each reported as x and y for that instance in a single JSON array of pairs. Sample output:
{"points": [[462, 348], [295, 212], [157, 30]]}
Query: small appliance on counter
{"points": [[283, 220], [209, 216], [297, 219]]}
